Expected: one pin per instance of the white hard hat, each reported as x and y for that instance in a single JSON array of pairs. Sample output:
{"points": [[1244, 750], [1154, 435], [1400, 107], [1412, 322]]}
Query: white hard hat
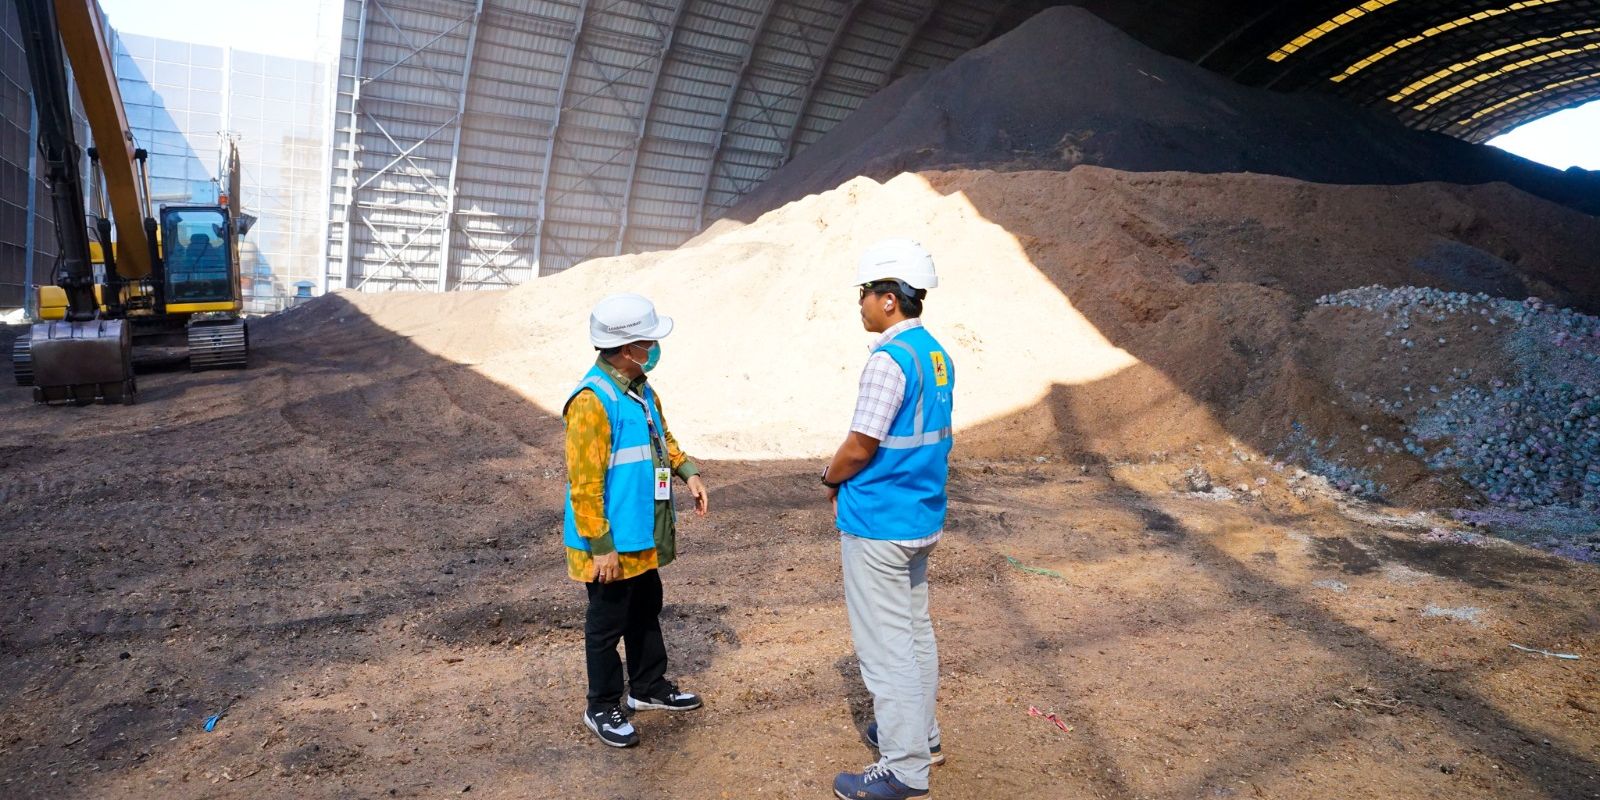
{"points": [[905, 260], [622, 318]]}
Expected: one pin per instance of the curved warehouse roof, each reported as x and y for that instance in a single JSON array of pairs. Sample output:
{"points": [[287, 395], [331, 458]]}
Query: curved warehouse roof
{"points": [[481, 143]]}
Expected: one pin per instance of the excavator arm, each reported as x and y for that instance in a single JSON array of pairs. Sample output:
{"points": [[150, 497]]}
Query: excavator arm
{"points": [[83, 33], [53, 98]]}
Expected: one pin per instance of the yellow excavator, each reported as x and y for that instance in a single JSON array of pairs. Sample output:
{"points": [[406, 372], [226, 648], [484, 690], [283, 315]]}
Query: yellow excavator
{"points": [[167, 280]]}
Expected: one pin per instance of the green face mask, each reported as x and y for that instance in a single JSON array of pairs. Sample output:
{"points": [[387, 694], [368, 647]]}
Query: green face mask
{"points": [[652, 360]]}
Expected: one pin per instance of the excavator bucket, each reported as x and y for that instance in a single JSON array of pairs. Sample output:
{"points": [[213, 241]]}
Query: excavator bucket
{"points": [[80, 362]]}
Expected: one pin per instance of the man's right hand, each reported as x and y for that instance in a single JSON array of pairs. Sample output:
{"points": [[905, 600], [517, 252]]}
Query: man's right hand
{"points": [[607, 568]]}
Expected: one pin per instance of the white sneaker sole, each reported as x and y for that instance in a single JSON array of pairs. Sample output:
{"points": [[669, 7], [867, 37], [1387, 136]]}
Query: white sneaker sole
{"points": [[640, 705], [589, 723]]}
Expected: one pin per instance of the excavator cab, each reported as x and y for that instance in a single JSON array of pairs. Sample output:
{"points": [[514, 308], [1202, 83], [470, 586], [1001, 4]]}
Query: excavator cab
{"points": [[201, 273], [200, 287]]}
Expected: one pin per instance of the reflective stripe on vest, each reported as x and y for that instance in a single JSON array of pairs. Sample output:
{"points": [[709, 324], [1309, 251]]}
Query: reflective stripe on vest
{"points": [[629, 455], [900, 493], [916, 440], [629, 501], [919, 436]]}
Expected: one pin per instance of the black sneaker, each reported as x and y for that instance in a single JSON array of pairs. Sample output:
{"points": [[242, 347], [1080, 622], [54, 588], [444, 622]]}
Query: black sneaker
{"points": [[670, 700], [935, 752], [612, 727]]}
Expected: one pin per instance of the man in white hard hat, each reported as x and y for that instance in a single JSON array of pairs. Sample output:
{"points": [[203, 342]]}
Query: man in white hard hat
{"points": [[619, 527], [887, 482]]}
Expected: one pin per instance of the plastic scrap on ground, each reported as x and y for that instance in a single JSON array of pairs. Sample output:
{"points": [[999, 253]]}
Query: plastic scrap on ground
{"points": [[1033, 711], [1566, 656]]}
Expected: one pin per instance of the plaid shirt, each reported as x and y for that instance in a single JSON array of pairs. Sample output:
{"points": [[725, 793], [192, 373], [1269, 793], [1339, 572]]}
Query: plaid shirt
{"points": [[882, 390]]}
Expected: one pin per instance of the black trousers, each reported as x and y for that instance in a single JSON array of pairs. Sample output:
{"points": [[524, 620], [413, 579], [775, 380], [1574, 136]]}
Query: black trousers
{"points": [[628, 610]]}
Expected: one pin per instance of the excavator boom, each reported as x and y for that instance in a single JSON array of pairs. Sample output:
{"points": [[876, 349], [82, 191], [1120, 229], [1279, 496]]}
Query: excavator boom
{"points": [[83, 32], [80, 358]]}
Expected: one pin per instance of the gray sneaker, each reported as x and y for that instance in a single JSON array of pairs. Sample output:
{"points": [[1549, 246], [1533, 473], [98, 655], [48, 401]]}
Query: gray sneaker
{"points": [[612, 727], [671, 700]]}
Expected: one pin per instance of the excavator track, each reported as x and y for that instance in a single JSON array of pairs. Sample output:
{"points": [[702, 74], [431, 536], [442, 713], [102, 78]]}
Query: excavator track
{"points": [[22, 360], [218, 345]]}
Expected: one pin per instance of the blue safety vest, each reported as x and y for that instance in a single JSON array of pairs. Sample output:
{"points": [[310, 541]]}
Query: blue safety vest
{"points": [[630, 479], [901, 492]]}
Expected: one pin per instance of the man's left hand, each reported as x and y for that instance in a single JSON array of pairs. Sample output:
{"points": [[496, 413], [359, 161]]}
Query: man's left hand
{"points": [[702, 499]]}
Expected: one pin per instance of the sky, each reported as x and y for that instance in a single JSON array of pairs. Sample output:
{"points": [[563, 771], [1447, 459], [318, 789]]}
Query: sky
{"points": [[1564, 139], [304, 29], [310, 29]]}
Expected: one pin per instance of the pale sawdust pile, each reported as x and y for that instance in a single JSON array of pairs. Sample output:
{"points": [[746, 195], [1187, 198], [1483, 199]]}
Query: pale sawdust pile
{"points": [[1091, 313]]}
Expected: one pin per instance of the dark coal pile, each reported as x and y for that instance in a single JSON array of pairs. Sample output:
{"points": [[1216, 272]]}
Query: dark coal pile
{"points": [[1067, 88]]}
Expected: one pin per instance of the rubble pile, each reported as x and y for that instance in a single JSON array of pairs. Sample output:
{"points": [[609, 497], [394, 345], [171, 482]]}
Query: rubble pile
{"points": [[1525, 440]]}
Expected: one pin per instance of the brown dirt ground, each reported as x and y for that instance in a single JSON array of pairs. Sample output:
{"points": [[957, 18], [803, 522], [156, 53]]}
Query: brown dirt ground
{"points": [[351, 551]]}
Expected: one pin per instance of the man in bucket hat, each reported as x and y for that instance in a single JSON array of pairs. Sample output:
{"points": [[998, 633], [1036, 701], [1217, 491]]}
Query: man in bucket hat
{"points": [[620, 524]]}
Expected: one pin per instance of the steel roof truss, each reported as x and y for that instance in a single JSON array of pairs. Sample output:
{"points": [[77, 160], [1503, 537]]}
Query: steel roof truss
{"points": [[555, 135], [455, 148], [396, 257], [644, 119], [405, 155], [417, 51], [822, 64], [727, 110]]}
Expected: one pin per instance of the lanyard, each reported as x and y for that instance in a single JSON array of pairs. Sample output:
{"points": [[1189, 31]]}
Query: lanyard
{"points": [[657, 438]]}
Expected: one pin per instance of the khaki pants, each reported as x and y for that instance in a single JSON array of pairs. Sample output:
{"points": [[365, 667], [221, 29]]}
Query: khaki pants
{"points": [[886, 594]]}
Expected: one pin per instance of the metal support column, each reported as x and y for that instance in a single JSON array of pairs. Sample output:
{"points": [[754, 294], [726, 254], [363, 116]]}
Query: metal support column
{"points": [[455, 151], [350, 148], [644, 123], [727, 110], [30, 295], [910, 42], [555, 135]]}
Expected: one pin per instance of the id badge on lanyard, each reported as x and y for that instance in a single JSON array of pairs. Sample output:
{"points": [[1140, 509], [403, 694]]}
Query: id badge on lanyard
{"points": [[663, 488]]}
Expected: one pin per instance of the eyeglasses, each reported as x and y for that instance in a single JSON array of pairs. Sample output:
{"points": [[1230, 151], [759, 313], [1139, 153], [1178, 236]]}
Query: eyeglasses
{"points": [[877, 287]]}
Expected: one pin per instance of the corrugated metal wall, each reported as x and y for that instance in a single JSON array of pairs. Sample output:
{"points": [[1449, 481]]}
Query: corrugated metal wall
{"points": [[480, 143], [24, 234]]}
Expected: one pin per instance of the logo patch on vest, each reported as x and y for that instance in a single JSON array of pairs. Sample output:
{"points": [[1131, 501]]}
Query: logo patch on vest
{"points": [[941, 370]]}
